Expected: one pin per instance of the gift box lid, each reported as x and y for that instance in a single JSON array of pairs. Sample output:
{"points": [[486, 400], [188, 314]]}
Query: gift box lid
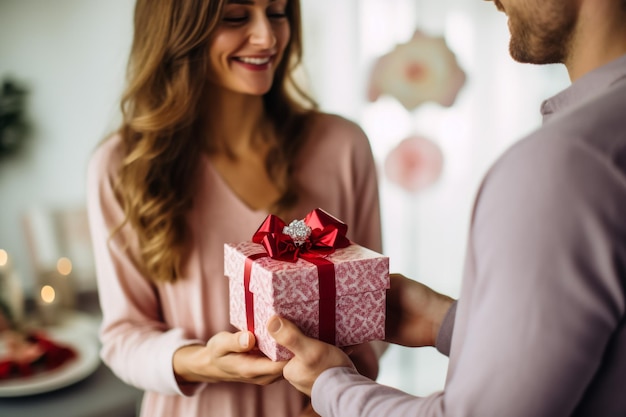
{"points": [[357, 270]]}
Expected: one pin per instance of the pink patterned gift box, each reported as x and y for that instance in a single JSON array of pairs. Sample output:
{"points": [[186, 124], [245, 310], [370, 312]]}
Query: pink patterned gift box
{"points": [[291, 290]]}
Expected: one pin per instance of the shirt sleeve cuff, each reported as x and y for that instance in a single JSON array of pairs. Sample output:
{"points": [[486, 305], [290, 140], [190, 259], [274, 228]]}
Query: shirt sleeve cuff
{"points": [[327, 385], [444, 337]]}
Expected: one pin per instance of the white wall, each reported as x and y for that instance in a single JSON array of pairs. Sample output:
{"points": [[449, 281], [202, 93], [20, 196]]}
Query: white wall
{"points": [[71, 55]]}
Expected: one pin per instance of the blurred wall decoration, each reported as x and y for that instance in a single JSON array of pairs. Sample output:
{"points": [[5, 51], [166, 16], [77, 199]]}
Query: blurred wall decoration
{"points": [[423, 69], [420, 70], [414, 164], [13, 124]]}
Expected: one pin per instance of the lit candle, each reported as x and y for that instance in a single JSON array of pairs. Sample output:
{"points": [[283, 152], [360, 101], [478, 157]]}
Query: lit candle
{"points": [[46, 244], [4, 265], [61, 279], [11, 291], [48, 305], [65, 284]]}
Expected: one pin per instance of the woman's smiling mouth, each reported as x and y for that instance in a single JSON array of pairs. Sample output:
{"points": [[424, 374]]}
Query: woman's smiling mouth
{"points": [[257, 61]]}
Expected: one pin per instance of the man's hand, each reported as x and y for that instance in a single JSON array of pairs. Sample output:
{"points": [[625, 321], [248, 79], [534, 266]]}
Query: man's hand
{"points": [[311, 357], [414, 312]]}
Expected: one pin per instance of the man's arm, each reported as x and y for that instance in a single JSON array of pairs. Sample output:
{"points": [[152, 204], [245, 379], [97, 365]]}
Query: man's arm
{"points": [[415, 313]]}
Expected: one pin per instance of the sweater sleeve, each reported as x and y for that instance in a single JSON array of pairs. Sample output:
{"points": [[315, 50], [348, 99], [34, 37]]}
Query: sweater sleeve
{"points": [[367, 223], [136, 344], [539, 303]]}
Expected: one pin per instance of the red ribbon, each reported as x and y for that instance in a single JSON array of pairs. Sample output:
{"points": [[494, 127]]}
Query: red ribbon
{"points": [[327, 234], [246, 286]]}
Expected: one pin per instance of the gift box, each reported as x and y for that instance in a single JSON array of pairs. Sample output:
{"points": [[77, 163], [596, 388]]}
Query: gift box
{"points": [[308, 272]]}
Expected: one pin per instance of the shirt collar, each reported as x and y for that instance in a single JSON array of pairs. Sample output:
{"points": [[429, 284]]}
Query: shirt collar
{"points": [[585, 87]]}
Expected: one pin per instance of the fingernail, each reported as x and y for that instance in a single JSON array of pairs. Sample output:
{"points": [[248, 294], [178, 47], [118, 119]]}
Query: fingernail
{"points": [[244, 339], [274, 325]]}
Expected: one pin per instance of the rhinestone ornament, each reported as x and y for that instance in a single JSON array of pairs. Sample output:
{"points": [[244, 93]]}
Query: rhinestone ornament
{"points": [[298, 231]]}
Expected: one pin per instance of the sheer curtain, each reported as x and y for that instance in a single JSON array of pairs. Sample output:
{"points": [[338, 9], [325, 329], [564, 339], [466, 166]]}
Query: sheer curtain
{"points": [[425, 232]]}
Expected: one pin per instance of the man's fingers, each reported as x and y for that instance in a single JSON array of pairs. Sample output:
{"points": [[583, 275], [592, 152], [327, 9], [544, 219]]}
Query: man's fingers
{"points": [[288, 335]]}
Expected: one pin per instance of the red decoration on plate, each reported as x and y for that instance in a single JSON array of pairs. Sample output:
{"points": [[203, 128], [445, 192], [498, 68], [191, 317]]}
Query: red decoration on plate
{"points": [[31, 354]]}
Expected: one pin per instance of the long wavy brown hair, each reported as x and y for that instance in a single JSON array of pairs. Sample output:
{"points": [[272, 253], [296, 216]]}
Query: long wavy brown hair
{"points": [[166, 79]]}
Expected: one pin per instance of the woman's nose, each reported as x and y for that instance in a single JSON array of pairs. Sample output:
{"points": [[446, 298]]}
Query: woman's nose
{"points": [[262, 33]]}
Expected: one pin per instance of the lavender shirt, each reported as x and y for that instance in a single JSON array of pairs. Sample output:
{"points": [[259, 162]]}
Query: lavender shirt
{"points": [[540, 327]]}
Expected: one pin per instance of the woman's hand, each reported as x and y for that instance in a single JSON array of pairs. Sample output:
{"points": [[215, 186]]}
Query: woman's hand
{"points": [[414, 312], [226, 357]]}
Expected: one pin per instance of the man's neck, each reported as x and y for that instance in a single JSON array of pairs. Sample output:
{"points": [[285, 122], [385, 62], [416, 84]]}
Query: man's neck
{"points": [[600, 37]]}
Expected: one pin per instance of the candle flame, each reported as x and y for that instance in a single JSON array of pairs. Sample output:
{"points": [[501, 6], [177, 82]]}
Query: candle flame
{"points": [[4, 257], [47, 294], [64, 266]]}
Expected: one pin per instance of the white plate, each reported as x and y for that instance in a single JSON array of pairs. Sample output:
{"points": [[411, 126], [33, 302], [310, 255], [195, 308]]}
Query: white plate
{"points": [[85, 363]]}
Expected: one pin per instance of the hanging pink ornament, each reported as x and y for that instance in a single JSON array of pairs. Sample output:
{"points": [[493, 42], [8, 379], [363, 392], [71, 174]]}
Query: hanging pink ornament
{"points": [[414, 164], [423, 69]]}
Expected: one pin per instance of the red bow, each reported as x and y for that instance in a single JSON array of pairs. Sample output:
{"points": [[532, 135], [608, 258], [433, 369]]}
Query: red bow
{"points": [[327, 234]]}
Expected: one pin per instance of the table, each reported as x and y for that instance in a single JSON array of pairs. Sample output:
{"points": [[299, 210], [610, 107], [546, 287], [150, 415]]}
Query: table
{"points": [[100, 394]]}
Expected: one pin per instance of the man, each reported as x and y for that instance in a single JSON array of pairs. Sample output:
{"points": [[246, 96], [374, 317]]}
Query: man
{"points": [[540, 327]]}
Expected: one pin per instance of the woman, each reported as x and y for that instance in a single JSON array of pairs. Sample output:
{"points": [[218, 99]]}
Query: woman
{"points": [[215, 135]]}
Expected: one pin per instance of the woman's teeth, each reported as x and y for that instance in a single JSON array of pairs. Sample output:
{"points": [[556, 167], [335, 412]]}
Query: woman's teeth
{"points": [[254, 61]]}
